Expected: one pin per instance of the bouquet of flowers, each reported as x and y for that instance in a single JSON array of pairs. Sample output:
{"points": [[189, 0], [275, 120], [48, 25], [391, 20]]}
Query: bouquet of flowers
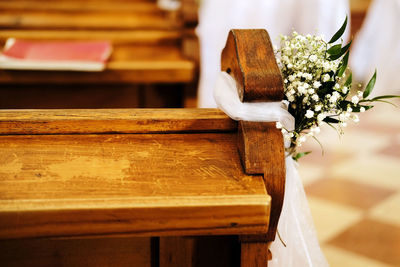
{"points": [[317, 86]]}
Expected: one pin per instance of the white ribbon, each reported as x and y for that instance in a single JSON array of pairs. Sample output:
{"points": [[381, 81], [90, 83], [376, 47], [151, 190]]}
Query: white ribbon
{"points": [[227, 99], [295, 226]]}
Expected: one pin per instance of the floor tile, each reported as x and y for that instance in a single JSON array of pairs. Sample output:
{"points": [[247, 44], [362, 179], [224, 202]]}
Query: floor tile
{"points": [[388, 211], [348, 192], [340, 258], [374, 170], [382, 115], [325, 160], [359, 141], [372, 239], [392, 148], [330, 218]]}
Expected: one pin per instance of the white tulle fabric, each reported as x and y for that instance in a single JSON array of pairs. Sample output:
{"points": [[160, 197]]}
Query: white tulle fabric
{"points": [[217, 17], [377, 46], [296, 226]]}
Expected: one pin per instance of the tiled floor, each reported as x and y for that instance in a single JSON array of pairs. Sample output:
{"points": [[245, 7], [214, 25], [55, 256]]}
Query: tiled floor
{"points": [[354, 190]]}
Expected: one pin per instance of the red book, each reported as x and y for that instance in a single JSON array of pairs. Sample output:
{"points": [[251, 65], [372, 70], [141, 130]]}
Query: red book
{"points": [[55, 55]]}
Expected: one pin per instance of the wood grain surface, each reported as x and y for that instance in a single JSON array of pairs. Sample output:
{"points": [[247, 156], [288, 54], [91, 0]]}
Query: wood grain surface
{"points": [[162, 184], [123, 15], [87, 121], [76, 5], [262, 152], [77, 252], [249, 58], [148, 37], [254, 255], [178, 251]]}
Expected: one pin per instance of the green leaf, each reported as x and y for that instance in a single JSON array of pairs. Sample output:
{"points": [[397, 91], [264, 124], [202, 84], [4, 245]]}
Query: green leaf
{"points": [[346, 47], [349, 81], [383, 97], [322, 148], [334, 50], [330, 120], [343, 65], [333, 127], [300, 155], [326, 88], [370, 86], [357, 108], [343, 50], [339, 33], [387, 102]]}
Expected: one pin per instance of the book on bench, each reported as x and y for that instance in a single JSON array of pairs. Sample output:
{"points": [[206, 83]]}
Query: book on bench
{"points": [[55, 55]]}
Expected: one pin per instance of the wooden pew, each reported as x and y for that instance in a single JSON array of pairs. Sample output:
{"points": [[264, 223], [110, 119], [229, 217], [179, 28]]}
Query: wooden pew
{"points": [[142, 187], [150, 46]]}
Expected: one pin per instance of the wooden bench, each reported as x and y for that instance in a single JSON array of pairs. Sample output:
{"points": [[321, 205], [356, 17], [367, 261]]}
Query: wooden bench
{"points": [[150, 46], [142, 187]]}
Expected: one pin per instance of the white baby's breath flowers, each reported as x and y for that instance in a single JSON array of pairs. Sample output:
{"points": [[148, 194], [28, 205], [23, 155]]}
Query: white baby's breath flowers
{"points": [[325, 78], [321, 117], [313, 58], [315, 97], [316, 85], [309, 114], [355, 99]]}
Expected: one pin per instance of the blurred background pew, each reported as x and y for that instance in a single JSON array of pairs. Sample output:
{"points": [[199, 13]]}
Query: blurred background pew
{"points": [[153, 63]]}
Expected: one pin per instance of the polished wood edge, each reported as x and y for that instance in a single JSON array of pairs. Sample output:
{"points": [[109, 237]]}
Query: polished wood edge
{"points": [[230, 217], [97, 121], [249, 57], [258, 229]]}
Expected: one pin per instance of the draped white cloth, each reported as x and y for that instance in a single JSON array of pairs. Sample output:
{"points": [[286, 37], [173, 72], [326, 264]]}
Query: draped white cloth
{"points": [[295, 226], [217, 17], [377, 46]]}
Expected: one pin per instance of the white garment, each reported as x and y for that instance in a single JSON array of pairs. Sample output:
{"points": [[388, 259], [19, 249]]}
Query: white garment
{"points": [[217, 17], [377, 46], [295, 225]]}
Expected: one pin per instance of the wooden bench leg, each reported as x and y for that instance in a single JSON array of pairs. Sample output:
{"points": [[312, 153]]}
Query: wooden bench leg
{"points": [[254, 251], [177, 251]]}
